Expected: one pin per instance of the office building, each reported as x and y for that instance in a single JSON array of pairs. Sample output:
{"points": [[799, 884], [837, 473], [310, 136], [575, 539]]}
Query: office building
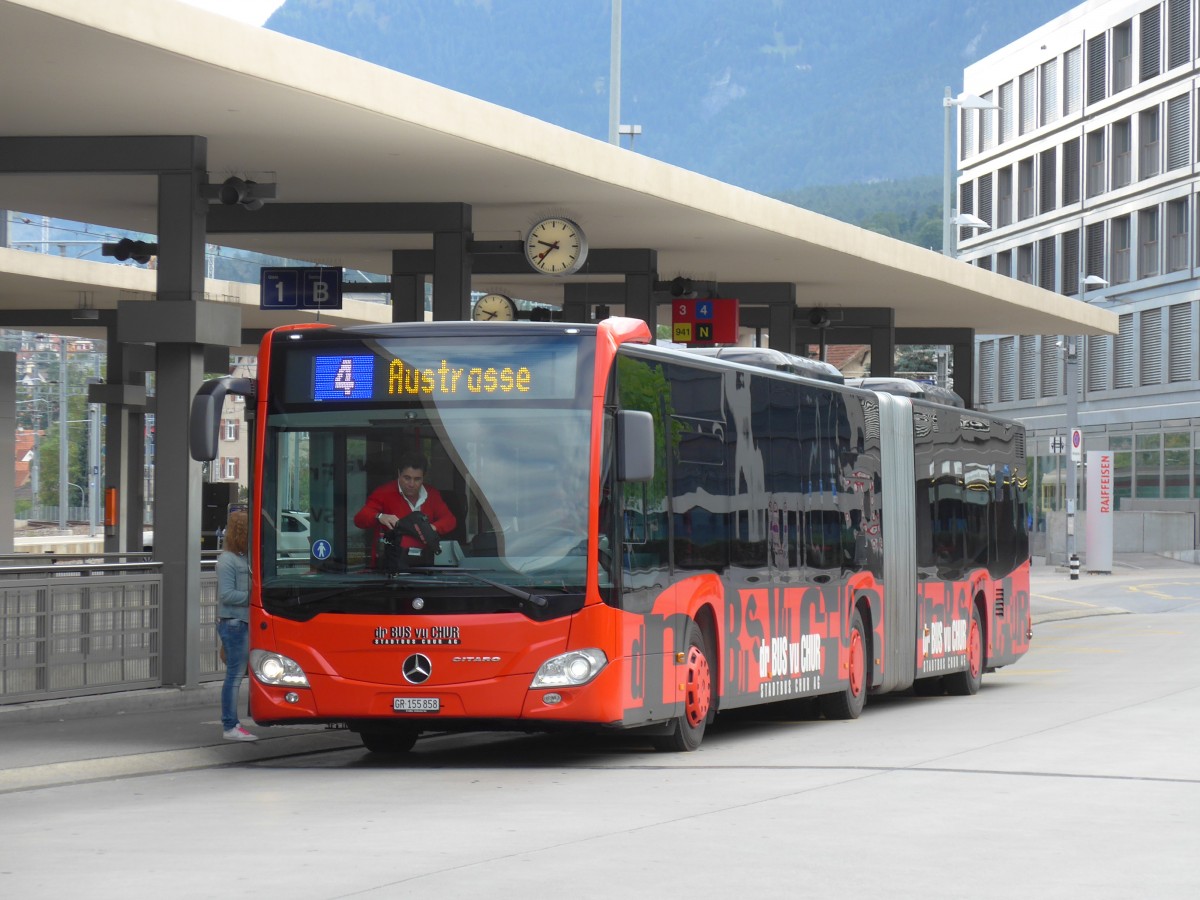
{"points": [[1087, 174]]}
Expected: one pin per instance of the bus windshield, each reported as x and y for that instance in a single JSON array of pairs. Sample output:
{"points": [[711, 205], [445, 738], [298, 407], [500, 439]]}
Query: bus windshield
{"points": [[509, 466]]}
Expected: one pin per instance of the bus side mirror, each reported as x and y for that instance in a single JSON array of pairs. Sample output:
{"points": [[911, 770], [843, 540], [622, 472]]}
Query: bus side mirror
{"points": [[635, 431], [205, 424]]}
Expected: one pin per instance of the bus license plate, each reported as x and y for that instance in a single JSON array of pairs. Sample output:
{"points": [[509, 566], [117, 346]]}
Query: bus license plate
{"points": [[416, 704]]}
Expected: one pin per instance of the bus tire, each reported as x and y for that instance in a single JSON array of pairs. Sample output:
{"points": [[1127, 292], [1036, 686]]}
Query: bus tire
{"points": [[687, 731], [391, 742], [967, 682], [848, 703]]}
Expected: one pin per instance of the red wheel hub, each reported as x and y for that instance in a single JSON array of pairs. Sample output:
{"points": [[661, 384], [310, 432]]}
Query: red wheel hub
{"points": [[974, 649], [857, 663], [698, 695]]}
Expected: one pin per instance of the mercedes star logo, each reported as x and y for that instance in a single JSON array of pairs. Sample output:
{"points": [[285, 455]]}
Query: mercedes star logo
{"points": [[417, 669]]}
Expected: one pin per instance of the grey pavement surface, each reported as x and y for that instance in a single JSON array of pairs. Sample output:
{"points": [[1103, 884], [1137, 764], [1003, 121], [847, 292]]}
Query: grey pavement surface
{"points": [[55, 742], [143, 723], [1071, 774]]}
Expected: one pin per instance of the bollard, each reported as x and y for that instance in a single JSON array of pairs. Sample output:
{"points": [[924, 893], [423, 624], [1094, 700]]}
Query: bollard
{"points": [[1074, 567]]}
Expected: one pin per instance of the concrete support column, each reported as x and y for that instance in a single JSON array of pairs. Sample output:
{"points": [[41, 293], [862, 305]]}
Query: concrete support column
{"points": [[883, 352], [408, 297], [409, 268], [182, 217], [581, 302], [963, 354], [8, 446], [781, 327], [639, 298], [134, 525], [575, 311], [116, 473], [177, 512], [451, 276], [962, 347], [124, 397]]}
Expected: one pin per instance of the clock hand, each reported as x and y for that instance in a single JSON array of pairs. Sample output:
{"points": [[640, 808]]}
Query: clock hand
{"points": [[544, 253]]}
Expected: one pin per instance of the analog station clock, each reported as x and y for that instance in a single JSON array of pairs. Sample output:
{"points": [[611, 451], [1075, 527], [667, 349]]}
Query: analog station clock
{"points": [[494, 307], [556, 246]]}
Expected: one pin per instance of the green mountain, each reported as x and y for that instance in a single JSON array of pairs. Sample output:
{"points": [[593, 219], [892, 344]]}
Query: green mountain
{"points": [[772, 95], [909, 210]]}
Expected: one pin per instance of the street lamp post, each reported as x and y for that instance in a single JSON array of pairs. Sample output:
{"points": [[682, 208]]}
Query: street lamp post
{"points": [[949, 218], [614, 77], [1073, 385]]}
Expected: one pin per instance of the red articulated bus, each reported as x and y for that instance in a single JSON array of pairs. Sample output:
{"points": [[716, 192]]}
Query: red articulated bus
{"points": [[643, 536]]}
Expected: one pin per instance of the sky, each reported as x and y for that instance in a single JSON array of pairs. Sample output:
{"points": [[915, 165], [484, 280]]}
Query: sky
{"points": [[253, 11]]}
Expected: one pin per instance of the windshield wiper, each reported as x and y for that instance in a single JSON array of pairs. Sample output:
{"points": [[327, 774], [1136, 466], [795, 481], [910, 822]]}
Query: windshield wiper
{"points": [[536, 599], [305, 595]]}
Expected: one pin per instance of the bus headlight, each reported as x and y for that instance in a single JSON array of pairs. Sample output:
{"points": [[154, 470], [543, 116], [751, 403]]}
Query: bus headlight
{"points": [[277, 669], [570, 669]]}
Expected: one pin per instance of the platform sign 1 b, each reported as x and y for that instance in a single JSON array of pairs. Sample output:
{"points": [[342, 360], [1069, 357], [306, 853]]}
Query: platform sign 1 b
{"points": [[708, 321], [300, 287]]}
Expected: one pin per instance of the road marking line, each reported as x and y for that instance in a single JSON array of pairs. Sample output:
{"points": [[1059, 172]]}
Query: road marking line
{"points": [[1146, 589], [1065, 600], [1088, 650]]}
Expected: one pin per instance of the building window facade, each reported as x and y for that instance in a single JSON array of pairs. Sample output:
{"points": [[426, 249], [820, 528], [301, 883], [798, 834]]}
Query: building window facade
{"points": [[1150, 26], [1149, 163], [1097, 48], [1120, 229], [1026, 207], [1179, 37], [1070, 172], [1048, 176], [1095, 163], [1148, 243], [1004, 197], [1177, 235], [1122, 153], [1178, 132]]}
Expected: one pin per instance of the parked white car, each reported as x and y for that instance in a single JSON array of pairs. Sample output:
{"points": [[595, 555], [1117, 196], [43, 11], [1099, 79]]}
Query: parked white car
{"points": [[293, 535]]}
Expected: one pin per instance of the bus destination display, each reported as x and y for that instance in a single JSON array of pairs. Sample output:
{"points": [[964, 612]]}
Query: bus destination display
{"points": [[450, 374]]}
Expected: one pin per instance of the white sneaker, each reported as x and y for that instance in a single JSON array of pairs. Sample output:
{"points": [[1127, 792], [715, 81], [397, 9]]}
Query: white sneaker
{"points": [[238, 733]]}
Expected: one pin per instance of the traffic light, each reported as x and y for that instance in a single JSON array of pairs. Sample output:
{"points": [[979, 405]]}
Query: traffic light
{"points": [[127, 248], [243, 192]]}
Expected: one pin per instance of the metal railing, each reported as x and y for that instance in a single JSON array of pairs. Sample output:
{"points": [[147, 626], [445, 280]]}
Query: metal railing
{"points": [[77, 624]]}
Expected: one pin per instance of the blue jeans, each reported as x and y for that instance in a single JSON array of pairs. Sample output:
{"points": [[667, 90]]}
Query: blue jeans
{"points": [[235, 636]]}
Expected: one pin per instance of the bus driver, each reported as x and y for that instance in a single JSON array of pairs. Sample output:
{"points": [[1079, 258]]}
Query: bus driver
{"points": [[416, 511]]}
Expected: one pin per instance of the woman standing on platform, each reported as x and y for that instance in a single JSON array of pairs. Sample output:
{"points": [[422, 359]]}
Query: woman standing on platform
{"points": [[233, 621]]}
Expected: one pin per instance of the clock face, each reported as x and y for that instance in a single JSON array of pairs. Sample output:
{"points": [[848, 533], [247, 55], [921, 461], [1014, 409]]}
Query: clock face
{"points": [[556, 246], [494, 307]]}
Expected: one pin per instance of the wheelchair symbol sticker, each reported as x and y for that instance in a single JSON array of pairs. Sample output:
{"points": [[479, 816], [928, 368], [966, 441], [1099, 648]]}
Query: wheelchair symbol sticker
{"points": [[321, 549]]}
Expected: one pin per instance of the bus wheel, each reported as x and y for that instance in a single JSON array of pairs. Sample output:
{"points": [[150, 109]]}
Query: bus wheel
{"points": [[848, 702], [393, 741], [968, 682], [687, 731]]}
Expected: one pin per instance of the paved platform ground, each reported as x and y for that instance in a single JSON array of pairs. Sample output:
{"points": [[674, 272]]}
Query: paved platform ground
{"points": [[170, 729]]}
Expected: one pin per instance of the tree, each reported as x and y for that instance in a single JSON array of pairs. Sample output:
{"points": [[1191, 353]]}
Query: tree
{"points": [[916, 358]]}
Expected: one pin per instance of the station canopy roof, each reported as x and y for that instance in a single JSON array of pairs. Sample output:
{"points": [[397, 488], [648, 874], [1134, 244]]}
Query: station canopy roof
{"points": [[325, 127]]}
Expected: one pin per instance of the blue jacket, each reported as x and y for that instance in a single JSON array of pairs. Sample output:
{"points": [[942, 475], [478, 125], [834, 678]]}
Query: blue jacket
{"points": [[233, 586]]}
